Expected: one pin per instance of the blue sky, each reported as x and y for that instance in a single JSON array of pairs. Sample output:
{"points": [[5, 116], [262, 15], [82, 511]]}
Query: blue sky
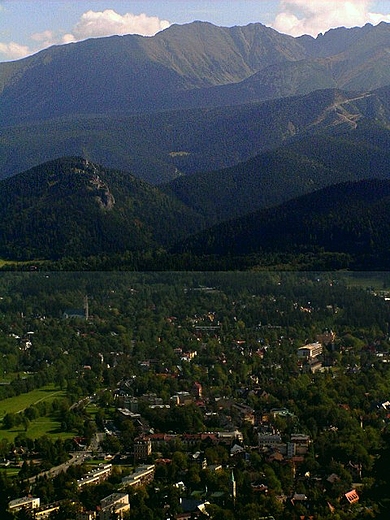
{"points": [[27, 26]]}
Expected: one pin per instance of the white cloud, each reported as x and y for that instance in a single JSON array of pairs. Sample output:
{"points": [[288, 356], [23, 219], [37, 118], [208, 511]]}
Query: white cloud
{"points": [[104, 23], [13, 51], [92, 24], [297, 17], [43, 36], [68, 38], [44, 39]]}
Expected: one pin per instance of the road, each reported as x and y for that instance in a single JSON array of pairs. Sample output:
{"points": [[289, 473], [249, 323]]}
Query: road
{"points": [[76, 458]]}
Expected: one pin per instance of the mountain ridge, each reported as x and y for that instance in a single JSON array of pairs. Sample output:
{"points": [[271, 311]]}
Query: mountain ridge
{"points": [[165, 145], [180, 67]]}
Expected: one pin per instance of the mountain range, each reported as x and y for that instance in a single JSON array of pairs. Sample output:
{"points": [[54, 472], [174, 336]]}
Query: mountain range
{"points": [[163, 146], [195, 140], [197, 64]]}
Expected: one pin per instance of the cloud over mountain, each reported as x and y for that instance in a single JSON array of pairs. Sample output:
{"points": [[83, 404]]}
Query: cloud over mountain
{"points": [[13, 50], [297, 17], [92, 24]]}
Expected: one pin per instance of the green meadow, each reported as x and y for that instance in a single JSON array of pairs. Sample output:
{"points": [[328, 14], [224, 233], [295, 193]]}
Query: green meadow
{"points": [[10, 262], [42, 425], [21, 402], [7, 377], [37, 428]]}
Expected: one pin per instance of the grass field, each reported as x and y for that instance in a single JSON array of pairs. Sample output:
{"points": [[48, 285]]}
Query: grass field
{"points": [[92, 409], [23, 401], [37, 428], [40, 426], [9, 262], [10, 376], [11, 471]]}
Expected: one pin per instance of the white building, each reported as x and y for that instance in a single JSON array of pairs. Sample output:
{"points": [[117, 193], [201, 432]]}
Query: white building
{"points": [[310, 351], [142, 475], [44, 512], [114, 505], [24, 503], [96, 476]]}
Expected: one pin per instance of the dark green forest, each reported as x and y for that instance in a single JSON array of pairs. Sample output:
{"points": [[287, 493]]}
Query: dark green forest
{"points": [[344, 226], [71, 214]]}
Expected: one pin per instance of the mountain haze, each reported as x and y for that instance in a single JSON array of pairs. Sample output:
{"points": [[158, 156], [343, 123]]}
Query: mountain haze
{"points": [[127, 74], [159, 147]]}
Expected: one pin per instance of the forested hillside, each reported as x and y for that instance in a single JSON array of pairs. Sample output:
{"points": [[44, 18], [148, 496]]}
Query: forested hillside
{"points": [[349, 224], [74, 208], [81, 215], [296, 168]]}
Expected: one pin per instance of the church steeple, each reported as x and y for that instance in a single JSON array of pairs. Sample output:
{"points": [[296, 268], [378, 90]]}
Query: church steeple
{"points": [[86, 308], [233, 487]]}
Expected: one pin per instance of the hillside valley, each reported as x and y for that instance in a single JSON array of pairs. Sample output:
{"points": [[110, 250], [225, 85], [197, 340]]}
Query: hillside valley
{"points": [[163, 146], [122, 146], [72, 212], [297, 168]]}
